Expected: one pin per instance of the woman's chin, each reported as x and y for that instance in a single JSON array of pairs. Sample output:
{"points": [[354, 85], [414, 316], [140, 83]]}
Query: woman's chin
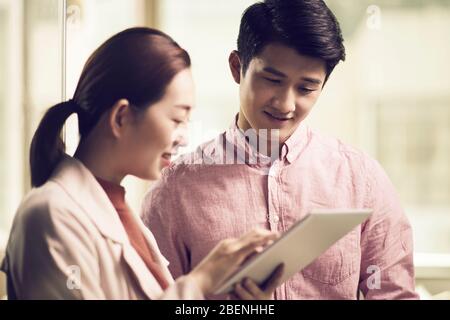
{"points": [[153, 174]]}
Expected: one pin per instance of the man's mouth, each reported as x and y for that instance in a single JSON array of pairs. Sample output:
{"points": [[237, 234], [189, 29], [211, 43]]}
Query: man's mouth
{"points": [[278, 117]]}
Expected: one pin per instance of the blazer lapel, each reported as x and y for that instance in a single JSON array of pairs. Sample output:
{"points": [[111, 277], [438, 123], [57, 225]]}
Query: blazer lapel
{"points": [[142, 275], [159, 258], [82, 186]]}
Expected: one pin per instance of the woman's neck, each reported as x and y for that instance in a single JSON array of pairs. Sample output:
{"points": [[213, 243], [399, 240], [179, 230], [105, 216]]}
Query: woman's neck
{"points": [[99, 159]]}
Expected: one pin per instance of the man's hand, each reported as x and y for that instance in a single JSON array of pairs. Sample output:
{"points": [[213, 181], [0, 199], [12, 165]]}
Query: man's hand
{"points": [[249, 290]]}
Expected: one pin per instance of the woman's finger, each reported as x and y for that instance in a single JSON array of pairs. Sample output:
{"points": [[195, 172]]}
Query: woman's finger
{"points": [[255, 234], [249, 245]]}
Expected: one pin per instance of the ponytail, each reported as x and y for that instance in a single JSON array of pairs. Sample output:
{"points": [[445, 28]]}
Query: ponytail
{"points": [[136, 64], [47, 147]]}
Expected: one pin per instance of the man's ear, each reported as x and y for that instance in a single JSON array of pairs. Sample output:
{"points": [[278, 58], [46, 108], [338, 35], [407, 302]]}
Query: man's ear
{"points": [[235, 66], [119, 116]]}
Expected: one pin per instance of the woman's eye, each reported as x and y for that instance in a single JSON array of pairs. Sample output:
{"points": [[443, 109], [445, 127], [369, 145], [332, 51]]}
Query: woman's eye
{"points": [[177, 122]]}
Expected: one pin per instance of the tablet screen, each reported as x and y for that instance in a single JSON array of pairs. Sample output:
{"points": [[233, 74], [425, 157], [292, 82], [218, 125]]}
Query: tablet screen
{"points": [[306, 240]]}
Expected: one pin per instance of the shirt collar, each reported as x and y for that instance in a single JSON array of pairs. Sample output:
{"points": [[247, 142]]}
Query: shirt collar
{"points": [[82, 186], [297, 142], [115, 193]]}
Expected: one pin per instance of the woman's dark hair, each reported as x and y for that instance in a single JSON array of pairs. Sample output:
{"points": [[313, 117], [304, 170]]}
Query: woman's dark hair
{"points": [[136, 64], [307, 26]]}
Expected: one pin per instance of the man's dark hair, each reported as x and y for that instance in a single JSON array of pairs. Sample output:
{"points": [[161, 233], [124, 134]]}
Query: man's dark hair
{"points": [[307, 26]]}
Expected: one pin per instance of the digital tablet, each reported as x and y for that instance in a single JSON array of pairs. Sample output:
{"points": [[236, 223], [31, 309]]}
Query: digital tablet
{"points": [[306, 240]]}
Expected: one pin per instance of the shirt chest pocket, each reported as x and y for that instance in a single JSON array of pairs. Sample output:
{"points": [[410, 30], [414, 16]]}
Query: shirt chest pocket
{"points": [[337, 263]]}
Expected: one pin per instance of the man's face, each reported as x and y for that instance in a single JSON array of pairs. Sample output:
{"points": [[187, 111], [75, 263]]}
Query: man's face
{"points": [[278, 90]]}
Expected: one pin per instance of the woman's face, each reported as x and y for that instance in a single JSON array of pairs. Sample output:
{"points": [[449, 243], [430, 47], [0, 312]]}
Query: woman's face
{"points": [[160, 129]]}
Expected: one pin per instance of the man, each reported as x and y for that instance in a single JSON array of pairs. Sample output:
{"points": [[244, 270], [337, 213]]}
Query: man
{"points": [[287, 50]]}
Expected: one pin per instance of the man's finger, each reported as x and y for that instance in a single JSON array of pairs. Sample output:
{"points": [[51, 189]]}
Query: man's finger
{"points": [[274, 279], [242, 293], [253, 288]]}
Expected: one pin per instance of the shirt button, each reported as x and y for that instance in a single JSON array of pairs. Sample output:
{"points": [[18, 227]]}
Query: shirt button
{"points": [[275, 219]]}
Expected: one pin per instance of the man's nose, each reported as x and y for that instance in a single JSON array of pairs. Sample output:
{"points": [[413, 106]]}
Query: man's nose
{"points": [[181, 137], [183, 141], [285, 101]]}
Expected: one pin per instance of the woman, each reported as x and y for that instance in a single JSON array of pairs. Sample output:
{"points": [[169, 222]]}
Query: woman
{"points": [[73, 236]]}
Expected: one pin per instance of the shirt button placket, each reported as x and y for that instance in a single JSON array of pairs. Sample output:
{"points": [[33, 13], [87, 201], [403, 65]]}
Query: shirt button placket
{"points": [[274, 209], [273, 216]]}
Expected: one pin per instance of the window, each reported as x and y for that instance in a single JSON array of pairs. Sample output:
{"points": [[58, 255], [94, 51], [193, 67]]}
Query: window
{"points": [[390, 98], [42, 62], [30, 82]]}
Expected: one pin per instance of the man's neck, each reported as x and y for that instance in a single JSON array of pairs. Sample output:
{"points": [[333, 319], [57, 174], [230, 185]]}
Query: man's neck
{"points": [[244, 125]]}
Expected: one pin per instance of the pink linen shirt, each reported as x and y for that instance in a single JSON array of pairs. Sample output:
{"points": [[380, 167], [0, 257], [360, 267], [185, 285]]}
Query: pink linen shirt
{"points": [[202, 199]]}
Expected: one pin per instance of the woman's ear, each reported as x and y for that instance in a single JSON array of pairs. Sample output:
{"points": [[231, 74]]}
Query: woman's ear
{"points": [[235, 66], [119, 116]]}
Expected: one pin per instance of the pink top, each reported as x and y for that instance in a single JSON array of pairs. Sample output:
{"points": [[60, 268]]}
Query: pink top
{"points": [[200, 201], [116, 193]]}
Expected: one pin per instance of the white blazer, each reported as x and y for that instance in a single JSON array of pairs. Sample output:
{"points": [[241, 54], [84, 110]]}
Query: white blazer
{"points": [[67, 242]]}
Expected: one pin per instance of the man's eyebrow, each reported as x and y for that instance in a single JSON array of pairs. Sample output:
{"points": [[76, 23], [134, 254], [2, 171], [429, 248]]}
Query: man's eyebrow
{"points": [[312, 80], [282, 75], [275, 72]]}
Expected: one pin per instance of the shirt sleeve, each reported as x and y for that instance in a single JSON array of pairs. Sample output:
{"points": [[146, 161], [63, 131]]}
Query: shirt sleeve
{"points": [[387, 270], [162, 215], [184, 288]]}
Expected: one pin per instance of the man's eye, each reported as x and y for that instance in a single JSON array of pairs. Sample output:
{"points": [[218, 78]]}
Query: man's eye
{"points": [[178, 122], [306, 90], [273, 80]]}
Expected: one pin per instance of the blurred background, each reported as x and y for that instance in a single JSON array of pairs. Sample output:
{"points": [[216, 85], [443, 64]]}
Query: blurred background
{"points": [[391, 98]]}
